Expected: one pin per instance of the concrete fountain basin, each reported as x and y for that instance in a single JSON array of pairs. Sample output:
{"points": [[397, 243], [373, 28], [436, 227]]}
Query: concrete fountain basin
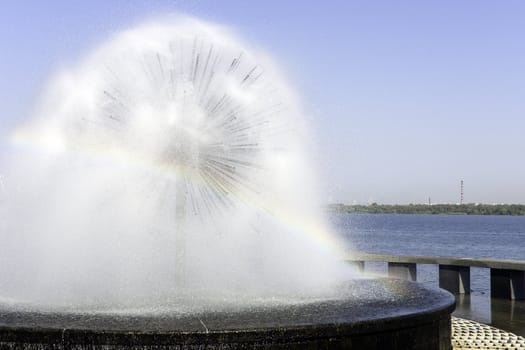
{"points": [[366, 314]]}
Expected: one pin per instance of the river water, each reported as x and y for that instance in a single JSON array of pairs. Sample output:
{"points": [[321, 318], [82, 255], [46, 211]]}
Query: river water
{"points": [[471, 236]]}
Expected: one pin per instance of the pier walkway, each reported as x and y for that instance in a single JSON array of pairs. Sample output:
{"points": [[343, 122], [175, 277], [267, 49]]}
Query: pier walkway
{"points": [[470, 335]]}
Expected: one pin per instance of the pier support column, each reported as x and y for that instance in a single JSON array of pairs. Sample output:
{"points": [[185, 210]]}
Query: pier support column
{"points": [[508, 284], [359, 265], [406, 271], [455, 279]]}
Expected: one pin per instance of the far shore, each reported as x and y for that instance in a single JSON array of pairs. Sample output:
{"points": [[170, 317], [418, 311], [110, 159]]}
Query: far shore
{"points": [[444, 209]]}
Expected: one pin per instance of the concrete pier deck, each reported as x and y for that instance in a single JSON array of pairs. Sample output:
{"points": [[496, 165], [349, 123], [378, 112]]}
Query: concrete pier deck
{"points": [[507, 277]]}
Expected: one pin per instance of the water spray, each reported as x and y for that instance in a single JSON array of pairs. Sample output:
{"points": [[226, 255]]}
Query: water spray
{"points": [[173, 159]]}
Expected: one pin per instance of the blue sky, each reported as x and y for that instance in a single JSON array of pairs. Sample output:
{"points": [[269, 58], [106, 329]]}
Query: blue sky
{"points": [[406, 98]]}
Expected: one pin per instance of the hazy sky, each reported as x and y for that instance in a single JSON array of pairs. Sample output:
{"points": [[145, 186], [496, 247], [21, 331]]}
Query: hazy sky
{"points": [[406, 98]]}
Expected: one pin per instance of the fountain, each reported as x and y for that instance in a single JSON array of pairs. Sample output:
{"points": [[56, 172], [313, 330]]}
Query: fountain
{"points": [[162, 197]]}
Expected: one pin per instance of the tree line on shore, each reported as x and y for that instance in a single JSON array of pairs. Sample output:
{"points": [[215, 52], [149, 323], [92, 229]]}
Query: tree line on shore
{"points": [[452, 209]]}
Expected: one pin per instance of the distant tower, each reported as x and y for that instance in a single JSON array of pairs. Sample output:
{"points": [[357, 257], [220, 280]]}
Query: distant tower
{"points": [[2, 190], [461, 201]]}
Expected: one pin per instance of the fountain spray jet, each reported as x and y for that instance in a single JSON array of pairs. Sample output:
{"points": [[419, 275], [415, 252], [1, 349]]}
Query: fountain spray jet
{"points": [[213, 136]]}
